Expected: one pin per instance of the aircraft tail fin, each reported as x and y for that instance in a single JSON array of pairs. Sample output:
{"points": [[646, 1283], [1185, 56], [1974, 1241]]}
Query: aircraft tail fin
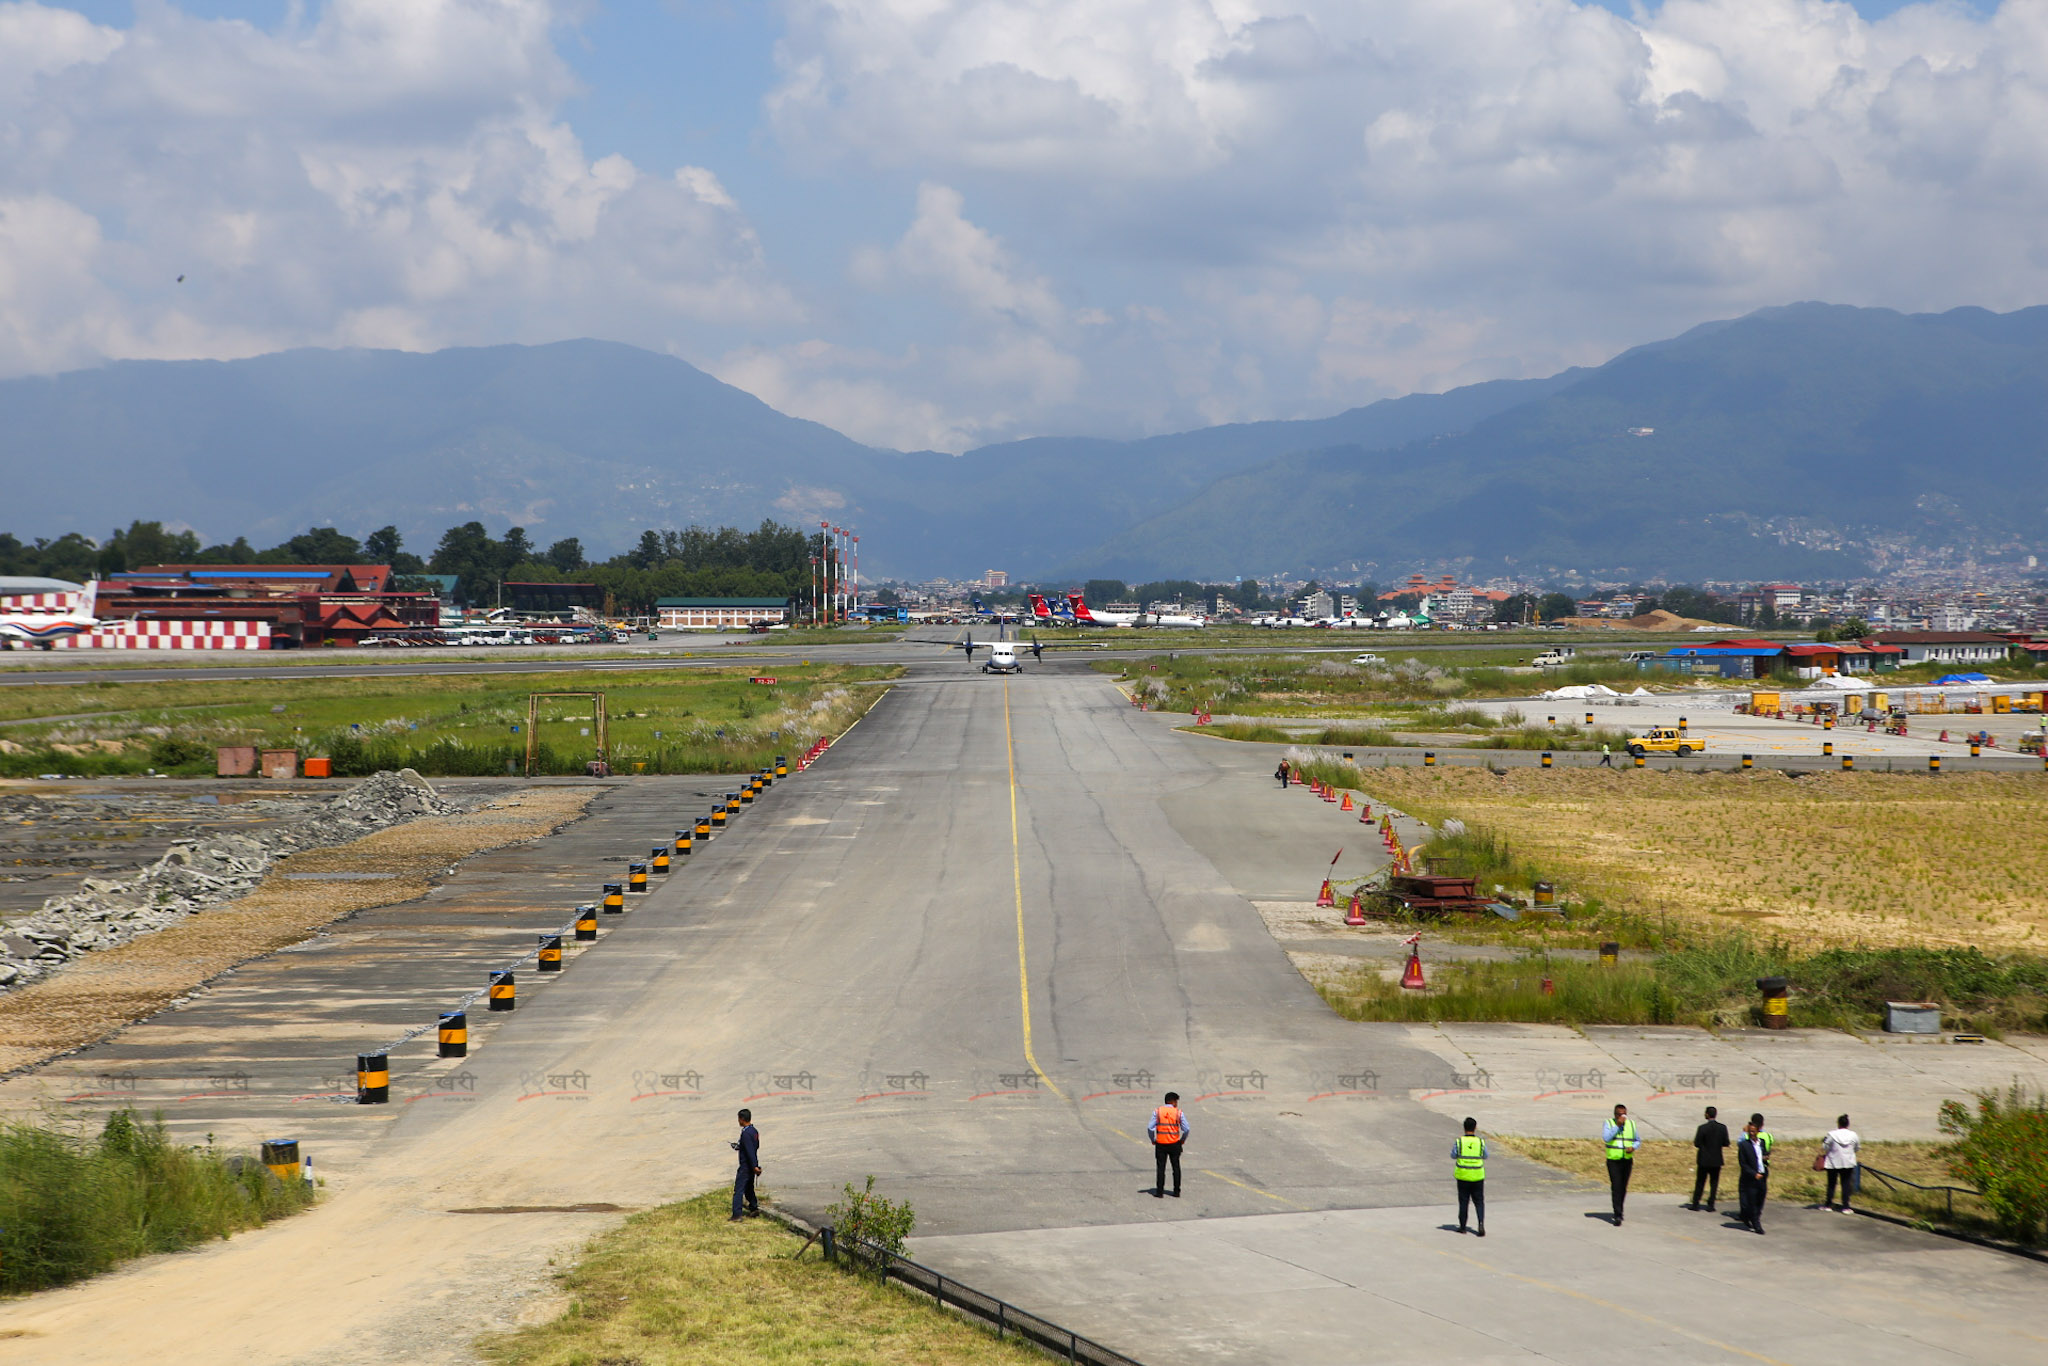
{"points": [[87, 600], [1080, 607]]}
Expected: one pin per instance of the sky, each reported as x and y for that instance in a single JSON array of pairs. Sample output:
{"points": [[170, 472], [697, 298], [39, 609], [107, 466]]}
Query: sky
{"points": [[942, 223]]}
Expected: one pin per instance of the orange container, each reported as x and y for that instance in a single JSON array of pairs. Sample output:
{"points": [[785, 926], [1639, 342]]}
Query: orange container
{"points": [[319, 768]]}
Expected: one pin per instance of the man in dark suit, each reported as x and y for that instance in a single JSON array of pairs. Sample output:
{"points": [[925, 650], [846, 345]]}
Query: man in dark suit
{"points": [[1753, 1160], [1710, 1145], [748, 1146]]}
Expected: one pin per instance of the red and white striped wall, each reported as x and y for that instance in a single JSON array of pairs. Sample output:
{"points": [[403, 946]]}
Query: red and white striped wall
{"points": [[171, 635], [25, 604]]}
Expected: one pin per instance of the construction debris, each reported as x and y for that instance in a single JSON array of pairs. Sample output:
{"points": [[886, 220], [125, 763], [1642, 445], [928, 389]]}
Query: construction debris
{"points": [[199, 875]]}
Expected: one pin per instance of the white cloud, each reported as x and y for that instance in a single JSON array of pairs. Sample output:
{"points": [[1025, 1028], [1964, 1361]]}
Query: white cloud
{"points": [[391, 173], [1446, 188]]}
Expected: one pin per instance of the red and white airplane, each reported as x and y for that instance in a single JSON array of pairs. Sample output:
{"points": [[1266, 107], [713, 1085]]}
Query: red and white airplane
{"points": [[43, 611], [1086, 616]]}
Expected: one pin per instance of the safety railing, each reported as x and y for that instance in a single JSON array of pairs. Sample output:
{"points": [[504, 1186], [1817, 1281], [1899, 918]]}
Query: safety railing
{"points": [[1006, 1319], [1895, 1181]]}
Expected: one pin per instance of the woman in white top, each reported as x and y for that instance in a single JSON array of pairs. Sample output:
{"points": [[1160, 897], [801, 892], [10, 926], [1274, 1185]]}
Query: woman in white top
{"points": [[1838, 1155]]}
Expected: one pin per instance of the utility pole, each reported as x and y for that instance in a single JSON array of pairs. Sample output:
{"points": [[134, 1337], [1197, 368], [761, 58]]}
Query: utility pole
{"points": [[856, 575]]}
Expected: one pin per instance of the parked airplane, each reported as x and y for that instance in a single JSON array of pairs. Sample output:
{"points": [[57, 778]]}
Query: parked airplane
{"points": [[1046, 615], [48, 627], [994, 614], [1084, 616]]}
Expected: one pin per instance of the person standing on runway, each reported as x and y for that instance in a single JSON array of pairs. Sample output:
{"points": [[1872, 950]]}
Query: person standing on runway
{"points": [[1468, 1161], [1753, 1160], [1169, 1132], [1710, 1144], [1282, 774], [1838, 1157], [1619, 1136], [748, 1146]]}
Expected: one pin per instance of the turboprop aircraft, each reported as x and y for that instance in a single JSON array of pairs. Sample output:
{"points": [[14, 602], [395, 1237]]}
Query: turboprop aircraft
{"points": [[46, 627], [1002, 654]]}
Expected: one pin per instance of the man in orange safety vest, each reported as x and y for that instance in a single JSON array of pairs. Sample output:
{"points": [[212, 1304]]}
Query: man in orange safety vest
{"points": [[1169, 1131]]}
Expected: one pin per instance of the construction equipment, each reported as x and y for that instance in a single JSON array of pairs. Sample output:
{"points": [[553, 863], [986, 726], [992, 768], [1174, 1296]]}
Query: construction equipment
{"points": [[1429, 896], [1666, 740]]}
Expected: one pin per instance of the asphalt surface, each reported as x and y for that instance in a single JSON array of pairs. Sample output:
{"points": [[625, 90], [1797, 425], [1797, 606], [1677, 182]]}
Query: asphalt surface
{"points": [[965, 953]]}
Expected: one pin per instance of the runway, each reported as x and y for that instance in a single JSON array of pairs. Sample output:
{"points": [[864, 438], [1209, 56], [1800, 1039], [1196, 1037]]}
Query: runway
{"points": [[964, 954]]}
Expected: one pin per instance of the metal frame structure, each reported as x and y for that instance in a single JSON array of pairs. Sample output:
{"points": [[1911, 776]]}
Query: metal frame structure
{"points": [[533, 701]]}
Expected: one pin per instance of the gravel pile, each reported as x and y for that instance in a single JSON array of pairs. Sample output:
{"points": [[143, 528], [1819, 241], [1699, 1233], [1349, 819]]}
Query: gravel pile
{"points": [[196, 875]]}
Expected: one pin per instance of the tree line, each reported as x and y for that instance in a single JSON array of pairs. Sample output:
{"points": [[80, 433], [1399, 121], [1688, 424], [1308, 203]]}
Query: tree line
{"points": [[771, 561]]}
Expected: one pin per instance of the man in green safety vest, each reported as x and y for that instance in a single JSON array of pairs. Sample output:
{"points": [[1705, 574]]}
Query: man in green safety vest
{"points": [[1619, 1136], [1468, 1160]]}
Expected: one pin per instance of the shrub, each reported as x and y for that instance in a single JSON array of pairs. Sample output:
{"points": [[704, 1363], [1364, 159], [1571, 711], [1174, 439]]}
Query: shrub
{"points": [[72, 1206], [2002, 1150], [171, 751], [869, 1226]]}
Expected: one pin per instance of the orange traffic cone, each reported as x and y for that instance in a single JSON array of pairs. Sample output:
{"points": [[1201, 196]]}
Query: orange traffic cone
{"points": [[1324, 898], [1364, 814], [1329, 794], [1356, 914], [1347, 802], [1411, 976]]}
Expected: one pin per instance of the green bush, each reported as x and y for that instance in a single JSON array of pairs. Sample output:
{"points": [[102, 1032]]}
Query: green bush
{"points": [[2002, 1150], [72, 1206], [170, 751], [868, 1224]]}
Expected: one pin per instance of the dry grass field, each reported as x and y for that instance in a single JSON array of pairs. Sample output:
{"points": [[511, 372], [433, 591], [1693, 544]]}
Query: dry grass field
{"points": [[1825, 860]]}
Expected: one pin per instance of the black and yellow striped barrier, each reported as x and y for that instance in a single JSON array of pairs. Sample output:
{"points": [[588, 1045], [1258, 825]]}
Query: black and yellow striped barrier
{"points": [[704, 827], [1934, 763], [1827, 749], [373, 1079], [1610, 954], [685, 842], [614, 897], [1546, 758], [1639, 761], [1748, 761], [636, 878], [1429, 758], [550, 958], [454, 1033], [732, 803], [657, 862], [782, 766], [1848, 762], [504, 994], [747, 791], [1976, 749], [281, 1155], [718, 816], [586, 922]]}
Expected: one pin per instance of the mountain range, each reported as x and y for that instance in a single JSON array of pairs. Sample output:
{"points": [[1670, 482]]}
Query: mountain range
{"points": [[1808, 441]]}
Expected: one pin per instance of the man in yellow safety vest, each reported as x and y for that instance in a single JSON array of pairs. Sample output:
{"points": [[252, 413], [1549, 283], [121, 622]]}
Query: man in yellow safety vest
{"points": [[1619, 1136], [1468, 1159], [1169, 1131]]}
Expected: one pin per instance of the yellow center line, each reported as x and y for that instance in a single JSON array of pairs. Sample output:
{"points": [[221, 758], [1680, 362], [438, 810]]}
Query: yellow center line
{"points": [[1017, 883]]}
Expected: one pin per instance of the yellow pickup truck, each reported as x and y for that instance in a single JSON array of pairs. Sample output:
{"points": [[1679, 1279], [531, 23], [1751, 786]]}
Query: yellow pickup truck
{"points": [[1666, 740]]}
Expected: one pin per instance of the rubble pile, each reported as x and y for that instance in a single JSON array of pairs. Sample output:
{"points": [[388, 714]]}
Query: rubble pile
{"points": [[198, 874]]}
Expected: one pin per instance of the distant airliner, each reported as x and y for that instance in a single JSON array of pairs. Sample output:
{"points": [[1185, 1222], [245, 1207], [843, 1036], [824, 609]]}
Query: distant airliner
{"points": [[1087, 616]]}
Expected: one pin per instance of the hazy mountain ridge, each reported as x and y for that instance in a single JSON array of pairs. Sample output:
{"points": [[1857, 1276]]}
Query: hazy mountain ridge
{"points": [[1812, 440]]}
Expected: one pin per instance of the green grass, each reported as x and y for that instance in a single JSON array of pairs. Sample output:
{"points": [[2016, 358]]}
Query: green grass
{"points": [[670, 721], [73, 1205], [679, 1284]]}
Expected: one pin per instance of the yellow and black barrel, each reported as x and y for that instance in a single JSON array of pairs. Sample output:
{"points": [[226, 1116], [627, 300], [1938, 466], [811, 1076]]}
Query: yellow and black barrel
{"points": [[1776, 1016], [766, 777], [454, 1033], [685, 841], [657, 862], [1848, 762], [636, 877], [1934, 763], [1827, 748], [504, 995], [1976, 749], [1610, 954], [1681, 725], [614, 897], [1639, 761], [1589, 718], [1545, 894], [748, 790], [550, 953], [704, 827], [281, 1155], [1429, 758], [718, 816], [586, 921], [732, 803], [1546, 758], [782, 765], [1748, 761], [373, 1079]]}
